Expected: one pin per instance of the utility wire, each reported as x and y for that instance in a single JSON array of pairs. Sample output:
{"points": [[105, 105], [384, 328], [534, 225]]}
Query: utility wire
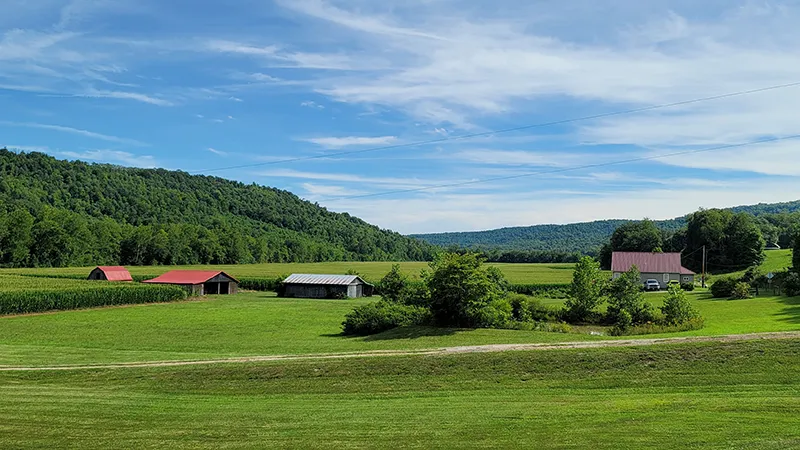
{"points": [[506, 130], [568, 169]]}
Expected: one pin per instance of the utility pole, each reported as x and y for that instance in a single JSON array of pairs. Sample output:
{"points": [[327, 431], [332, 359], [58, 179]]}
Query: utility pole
{"points": [[704, 266]]}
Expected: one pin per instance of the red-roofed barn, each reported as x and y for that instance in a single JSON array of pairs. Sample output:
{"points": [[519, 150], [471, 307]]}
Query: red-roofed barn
{"points": [[200, 282], [663, 267], [110, 273]]}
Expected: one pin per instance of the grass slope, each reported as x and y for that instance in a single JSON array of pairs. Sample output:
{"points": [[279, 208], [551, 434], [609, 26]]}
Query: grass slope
{"points": [[776, 261], [720, 396], [260, 324]]}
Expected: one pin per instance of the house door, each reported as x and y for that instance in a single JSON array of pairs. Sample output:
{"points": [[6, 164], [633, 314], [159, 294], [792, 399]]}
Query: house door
{"points": [[666, 278], [224, 288]]}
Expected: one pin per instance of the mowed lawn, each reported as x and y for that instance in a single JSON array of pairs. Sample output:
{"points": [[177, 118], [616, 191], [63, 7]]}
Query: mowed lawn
{"points": [[776, 261], [259, 324], [714, 396], [374, 271]]}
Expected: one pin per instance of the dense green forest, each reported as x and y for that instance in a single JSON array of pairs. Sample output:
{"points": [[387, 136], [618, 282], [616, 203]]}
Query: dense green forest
{"points": [[776, 222], [61, 213]]}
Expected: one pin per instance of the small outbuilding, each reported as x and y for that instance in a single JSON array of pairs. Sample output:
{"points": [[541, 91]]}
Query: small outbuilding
{"points": [[326, 286], [110, 273], [200, 282]]}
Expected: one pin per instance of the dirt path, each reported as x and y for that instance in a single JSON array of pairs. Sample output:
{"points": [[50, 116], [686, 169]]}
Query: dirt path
{"points": [[426, 352]]}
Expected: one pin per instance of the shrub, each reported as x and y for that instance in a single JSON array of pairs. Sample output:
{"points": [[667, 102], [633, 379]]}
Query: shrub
{"points": [[528, 309], [791, 284], [741, 291], [654, 328], [548, 327], [625, 295], [40, 300], [723, 287], [677, 308], [461, 287], [394, 285], [586, 291], [623, 323], [378, 317], [688, 287], [497, 314]]}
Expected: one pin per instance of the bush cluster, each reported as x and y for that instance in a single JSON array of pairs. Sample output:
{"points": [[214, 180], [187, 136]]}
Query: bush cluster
{"points": [[723, 287], [378, 317], [658, 328], [529, 309]]}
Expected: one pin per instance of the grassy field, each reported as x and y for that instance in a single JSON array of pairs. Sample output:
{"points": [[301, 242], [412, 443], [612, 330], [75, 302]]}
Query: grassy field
{"points": [[374, 271], [715, 396], [260, 324], [776, 261]]}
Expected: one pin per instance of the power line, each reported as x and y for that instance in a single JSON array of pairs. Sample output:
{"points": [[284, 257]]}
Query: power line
{"points": [[506, 130], [568, 169]]}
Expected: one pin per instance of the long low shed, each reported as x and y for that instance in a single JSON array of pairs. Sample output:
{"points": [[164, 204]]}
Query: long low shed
{"points": [[326, 286], [199, 282]]}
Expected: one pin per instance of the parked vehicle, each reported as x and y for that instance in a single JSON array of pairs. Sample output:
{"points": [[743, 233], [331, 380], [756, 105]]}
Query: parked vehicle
{"points": [[652, 285]]}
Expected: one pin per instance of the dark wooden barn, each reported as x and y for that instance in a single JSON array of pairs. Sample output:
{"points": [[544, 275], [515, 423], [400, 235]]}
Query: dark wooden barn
{"points": [[110, 273], [200, 282], [326, 286]]}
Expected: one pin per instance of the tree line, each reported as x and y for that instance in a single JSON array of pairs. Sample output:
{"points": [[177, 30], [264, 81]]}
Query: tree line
{"points": [[60, 213], [733, 241]]}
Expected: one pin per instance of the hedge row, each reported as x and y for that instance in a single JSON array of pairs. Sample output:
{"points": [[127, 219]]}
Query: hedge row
{"points": [[40, 300]]}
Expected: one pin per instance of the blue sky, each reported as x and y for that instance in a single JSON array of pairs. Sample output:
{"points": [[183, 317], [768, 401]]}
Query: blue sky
{"points": [[200, 85]]}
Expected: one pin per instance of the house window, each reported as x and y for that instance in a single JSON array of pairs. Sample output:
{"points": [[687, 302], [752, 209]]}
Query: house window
{"points": [[666, 278]]}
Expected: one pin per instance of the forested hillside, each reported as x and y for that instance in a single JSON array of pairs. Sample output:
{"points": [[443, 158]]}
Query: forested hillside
{"points": [[60, 213], [775, 221]]}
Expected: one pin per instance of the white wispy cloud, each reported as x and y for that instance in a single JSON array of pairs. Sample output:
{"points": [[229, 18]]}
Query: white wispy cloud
{"points": [[113, 157], [128, 96], [350, 141], [312, 104], [348, 178], [76, 131], [217, 152], [319, 191]]}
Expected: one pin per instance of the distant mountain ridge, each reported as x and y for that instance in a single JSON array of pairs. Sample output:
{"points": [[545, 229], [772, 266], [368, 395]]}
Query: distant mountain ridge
{"points": [[584, 237]]}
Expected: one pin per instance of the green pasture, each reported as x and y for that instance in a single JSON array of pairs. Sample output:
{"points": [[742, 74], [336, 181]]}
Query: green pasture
{"points": [[261, 324], [776, 261], [373, 271], [712, 396]]}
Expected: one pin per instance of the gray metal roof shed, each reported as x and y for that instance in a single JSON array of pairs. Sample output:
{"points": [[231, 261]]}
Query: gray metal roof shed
{"points": [[326, 286]]}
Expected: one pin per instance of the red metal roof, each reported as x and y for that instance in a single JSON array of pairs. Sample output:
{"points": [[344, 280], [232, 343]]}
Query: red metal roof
{"points": [[116, 273], [187, 277], [649, 262]]}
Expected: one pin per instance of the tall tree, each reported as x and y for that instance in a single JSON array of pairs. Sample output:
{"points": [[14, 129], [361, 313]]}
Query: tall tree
{"points": [[464, 292], [796, 251], [732, 241], [642, 236], [16, 237], [586, 291]]}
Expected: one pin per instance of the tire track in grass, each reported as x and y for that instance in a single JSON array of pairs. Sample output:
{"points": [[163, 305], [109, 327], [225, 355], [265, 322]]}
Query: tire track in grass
{"points": [[491, 348]]}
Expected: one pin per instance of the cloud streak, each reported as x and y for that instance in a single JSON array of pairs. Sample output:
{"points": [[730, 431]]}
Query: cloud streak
{"points": [[75, 131], [350, 141]]}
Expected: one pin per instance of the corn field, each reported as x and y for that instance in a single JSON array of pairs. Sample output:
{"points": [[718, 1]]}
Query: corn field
{"points": [[20, 295]]}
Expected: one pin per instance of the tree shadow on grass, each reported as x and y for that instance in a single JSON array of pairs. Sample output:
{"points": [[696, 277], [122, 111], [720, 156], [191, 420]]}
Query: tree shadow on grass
{"points": [[791, 313], [412, 333], [400, 333]]}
